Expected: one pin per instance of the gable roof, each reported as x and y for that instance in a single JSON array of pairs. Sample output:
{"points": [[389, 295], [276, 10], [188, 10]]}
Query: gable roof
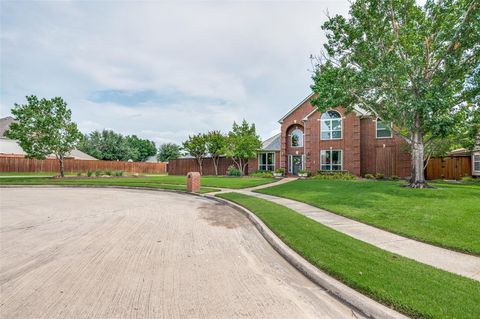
{"points": [[296, 107], [357, 109], [272, 144]]}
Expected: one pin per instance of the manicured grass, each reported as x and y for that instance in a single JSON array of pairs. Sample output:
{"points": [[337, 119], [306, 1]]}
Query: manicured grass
{"points": [[410, 287], [126, 182], [206, 181], [448, 215], [13, 174]]}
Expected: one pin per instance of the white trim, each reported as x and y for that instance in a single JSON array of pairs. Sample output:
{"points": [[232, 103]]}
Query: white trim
{"points": [[341, 126], [474, 171], [296, 107], [331, 150], [265, 152], [376, 130]]}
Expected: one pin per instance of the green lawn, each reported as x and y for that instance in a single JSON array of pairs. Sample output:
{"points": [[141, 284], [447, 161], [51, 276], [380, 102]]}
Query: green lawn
{"points": [[448, 215], [13, 174], [153, 181], [410, 287]]}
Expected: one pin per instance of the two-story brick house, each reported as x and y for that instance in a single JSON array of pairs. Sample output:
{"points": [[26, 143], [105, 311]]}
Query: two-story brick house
{"points": [[334, 140]]}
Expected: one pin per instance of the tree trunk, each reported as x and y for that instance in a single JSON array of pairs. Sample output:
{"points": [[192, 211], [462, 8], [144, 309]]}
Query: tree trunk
{"points": [[62, 169], [240, 166], [215, 164], [199, 161], [417, 180]]}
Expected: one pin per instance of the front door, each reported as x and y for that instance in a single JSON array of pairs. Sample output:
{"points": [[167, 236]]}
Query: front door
{"points": [[296, 164]]}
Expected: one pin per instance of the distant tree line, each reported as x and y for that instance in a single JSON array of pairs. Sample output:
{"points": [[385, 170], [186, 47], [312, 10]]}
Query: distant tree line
{"points": [[111, 146]]}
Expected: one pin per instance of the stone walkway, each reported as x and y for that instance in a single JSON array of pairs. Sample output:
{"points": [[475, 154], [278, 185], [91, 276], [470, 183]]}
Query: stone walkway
{"points": [[451, 261]]}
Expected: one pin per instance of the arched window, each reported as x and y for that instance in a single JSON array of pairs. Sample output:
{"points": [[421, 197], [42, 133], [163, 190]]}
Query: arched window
{"points": [[331, 126], [297, 138]]}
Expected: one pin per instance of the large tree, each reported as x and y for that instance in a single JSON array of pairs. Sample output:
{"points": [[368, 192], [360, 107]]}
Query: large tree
{"points": [[44, 127], [216, 142], [242, 144], [168, 151], [196, 147], [407, 64], [111, 146]]}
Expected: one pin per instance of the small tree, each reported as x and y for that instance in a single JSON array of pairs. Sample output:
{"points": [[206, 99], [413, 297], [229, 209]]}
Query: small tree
{"points": [[216, 142], [44, 127], [242, 144], [196, 147], [168, 151], [407, 64]]}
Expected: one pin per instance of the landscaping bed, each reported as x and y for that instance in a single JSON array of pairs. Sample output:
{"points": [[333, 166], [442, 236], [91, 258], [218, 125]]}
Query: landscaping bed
{"points": [[447, 215], [415, 289]]}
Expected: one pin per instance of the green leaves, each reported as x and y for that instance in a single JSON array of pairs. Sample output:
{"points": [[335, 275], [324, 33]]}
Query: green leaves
{"points": [[243, 141], [168, 151], [44, 127]]}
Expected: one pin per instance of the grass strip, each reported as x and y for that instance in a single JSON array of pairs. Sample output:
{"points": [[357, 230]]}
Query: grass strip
{"points": [[125, 182], [446, 216], [415, 289]]}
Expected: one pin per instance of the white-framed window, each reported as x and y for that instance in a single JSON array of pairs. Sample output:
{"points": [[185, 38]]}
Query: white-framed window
{"points": [[266, 161], [331, 126], [331, 160], [382, 129], [297, 138], [476, 163]]}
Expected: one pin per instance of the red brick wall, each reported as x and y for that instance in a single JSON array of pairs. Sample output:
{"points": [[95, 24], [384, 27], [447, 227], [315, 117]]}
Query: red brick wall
{"points": [[362, 151], [389, 156], [350, 142]]}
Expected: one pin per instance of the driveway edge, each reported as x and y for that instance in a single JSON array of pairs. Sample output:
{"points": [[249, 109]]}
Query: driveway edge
{"points": [[347, 295]]}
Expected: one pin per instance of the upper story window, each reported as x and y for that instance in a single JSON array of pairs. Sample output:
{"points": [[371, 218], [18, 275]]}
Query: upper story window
{"points": [[331, 126], [297, 138], [383, 129]]}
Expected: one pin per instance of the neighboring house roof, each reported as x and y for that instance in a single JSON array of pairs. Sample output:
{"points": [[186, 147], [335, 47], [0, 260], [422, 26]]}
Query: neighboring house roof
{"points": [[460, 152], [357, 109], [272, 144], [5, 124], [10, 147], [152, 159]]}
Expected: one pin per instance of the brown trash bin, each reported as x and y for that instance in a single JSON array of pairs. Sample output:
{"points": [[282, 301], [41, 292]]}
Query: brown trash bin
{"points": [[193, 182]]}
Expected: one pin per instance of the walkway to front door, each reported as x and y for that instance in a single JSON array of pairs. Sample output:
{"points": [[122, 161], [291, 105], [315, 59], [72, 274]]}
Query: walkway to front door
{"points": [[296, 164]]}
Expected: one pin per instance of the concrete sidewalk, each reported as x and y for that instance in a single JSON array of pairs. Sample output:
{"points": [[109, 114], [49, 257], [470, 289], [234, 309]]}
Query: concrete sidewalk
{"points": [[451, 261]]}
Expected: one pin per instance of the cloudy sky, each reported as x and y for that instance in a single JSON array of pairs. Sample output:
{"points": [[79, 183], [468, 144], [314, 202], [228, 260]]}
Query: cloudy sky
{"points": [[162, 70]]}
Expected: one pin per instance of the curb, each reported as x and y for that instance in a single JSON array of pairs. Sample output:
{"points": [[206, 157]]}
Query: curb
{"points": [[363, 304]]}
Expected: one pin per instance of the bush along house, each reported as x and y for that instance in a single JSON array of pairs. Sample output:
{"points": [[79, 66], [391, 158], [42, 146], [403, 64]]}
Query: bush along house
{"points": [[356, 142]]}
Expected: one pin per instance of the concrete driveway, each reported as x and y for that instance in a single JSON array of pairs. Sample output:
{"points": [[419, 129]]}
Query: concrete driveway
{"points": [[109, 253]]}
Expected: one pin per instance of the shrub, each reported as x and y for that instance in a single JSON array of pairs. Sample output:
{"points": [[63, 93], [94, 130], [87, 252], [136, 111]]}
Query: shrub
{"points": [[343, 175], [98, 172], [233, 171], [395, 178], [379, 176], [302, 171], [108, 172], [89, 173], [280, 170], [369, 176], [469, 179], [118, 173], [264, 174], [79, 174]]}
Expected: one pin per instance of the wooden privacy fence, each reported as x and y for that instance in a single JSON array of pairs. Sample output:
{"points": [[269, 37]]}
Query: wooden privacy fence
{"points": [[20, 164], [182, 166], [449, 167]]}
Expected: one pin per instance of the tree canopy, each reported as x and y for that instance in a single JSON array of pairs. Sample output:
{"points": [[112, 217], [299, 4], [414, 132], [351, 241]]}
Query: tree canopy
{"points": [[44, 127], [242, 144], [196, 146], [168, 151], [111, 146], [414, 66], [215, 142]]}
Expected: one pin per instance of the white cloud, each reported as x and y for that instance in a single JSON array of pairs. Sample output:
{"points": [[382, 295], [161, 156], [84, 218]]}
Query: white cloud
{"points": [[252, 55]]}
